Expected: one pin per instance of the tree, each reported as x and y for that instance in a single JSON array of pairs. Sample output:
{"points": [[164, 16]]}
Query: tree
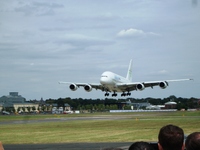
{"points": [[18, 109], [33, 108], [39, 108], [101, 107], [23, 108], [43, 108], [29, 109], [13, 109], [127, 107], [113, 107]]}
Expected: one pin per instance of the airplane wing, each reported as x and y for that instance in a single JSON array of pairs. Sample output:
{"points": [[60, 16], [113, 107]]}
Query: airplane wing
{"points": [[142, 85], [87, 86], [121, 87]]}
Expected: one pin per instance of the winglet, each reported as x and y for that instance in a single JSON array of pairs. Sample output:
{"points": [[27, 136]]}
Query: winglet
{"points": [[129, 73]]}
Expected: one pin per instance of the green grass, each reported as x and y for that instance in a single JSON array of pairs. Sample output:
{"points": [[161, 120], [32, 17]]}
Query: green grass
{"points": [[135, 127]]}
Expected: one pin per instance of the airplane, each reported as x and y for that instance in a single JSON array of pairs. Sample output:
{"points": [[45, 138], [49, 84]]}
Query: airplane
{"points": [[111, 82]]}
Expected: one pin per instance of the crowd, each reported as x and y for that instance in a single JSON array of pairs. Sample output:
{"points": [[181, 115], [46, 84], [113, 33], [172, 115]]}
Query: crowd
{"points": [[170, 137]]}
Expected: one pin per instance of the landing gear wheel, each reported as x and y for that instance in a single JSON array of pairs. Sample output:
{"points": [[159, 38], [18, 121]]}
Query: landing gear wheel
{"points": [[128, 94], [123, 94], [114, 94], [106, 94]]}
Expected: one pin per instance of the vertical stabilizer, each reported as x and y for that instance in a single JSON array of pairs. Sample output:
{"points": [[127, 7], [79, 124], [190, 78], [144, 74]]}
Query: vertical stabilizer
{"points": [[129, 73]]}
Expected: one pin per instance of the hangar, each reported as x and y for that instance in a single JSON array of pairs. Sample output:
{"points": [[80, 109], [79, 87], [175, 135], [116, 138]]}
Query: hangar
{"points": [[15, 102]]}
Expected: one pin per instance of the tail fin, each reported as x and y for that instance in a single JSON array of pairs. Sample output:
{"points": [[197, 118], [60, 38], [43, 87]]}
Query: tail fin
{"points": [[129, 73]]}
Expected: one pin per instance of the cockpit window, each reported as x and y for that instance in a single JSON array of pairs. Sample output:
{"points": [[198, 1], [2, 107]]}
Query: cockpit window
{"points": [[104, 76]]}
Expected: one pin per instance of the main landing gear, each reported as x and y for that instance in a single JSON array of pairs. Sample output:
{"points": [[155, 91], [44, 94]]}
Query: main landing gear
{"points": [[115, 94], [106, 94], [126, 94]]}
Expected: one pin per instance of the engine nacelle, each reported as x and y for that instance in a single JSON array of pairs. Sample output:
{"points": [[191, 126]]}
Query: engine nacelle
{"points": [[140, 86], [163, 84], [88, 88], [73, 87]]}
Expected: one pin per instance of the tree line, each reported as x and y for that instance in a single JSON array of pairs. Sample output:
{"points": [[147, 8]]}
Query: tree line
{"points": [[110, 103]]}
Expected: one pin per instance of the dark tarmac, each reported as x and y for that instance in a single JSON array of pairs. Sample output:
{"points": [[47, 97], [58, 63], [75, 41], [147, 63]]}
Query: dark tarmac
{"points": [[66, 146], [71, 146]]}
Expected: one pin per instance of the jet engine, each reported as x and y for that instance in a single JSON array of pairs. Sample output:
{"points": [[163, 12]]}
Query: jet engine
{"points": [[88, 88], [73, 87], [163, 84], [140, 87]]}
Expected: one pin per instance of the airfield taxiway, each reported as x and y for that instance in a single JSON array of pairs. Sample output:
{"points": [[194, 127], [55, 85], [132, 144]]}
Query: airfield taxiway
{"points": [[68, 146], [27, 120]]}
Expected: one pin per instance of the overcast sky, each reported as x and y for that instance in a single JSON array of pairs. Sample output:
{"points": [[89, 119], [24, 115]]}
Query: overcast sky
{"points": [[43, 42]]}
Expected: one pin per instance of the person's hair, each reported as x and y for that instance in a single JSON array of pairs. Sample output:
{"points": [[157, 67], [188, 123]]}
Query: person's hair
{"points": [[141, 146], [171, 137], [111, 148], [193, 141]]}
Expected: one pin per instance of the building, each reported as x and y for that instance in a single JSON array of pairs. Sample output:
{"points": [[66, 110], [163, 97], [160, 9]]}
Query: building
{"points": [[139, 105], [13, 97], [14, 102], [170, 105], [60, 110], [1, 106]]}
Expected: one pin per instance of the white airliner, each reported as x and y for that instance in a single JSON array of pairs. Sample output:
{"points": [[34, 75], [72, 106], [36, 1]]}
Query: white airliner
{"points": [[111, 82]]}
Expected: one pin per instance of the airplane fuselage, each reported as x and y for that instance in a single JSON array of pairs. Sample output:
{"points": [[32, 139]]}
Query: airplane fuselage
{"points": [[110, 80]]}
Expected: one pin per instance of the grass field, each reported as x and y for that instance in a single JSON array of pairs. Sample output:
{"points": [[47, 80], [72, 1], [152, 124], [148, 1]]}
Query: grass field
{"points": [[133, 127]]}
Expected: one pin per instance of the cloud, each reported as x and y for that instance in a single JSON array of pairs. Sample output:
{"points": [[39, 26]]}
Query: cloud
{"points": [[80, 40], [135, 33], [38, 8], [160, 73], [48, 41], [163, 72]]}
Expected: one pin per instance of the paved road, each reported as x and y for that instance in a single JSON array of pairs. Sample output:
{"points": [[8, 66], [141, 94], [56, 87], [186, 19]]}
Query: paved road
{"points": [[68, 146]]}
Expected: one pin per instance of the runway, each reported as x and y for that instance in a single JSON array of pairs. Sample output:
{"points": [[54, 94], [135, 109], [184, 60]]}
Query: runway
{"points": [[26, 119]]}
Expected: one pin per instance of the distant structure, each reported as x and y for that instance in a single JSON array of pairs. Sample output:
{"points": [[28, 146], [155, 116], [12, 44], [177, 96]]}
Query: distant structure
{"points": [[170, 105], [13, 97], [148, 106], [16, 102], [61, 110]]}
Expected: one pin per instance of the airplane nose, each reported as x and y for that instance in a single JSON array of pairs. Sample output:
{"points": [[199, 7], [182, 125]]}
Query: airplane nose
{"points": [[105, 80], [102, 80]]}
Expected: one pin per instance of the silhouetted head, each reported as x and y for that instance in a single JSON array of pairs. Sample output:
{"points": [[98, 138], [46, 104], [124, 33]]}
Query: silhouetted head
{"points": [[171, 137], [193, 141], [111, 148], [141, 146]]}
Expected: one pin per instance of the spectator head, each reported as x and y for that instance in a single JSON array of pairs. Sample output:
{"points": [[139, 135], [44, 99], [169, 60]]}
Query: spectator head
{"points": [[141, 146], [171, 137], [111, 148], [193, 141]]}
